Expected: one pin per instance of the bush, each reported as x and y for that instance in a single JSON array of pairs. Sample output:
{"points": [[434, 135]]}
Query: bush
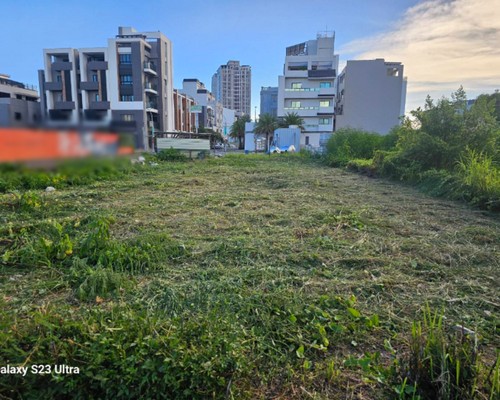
{"points": [[347, 144], [171, 155]]}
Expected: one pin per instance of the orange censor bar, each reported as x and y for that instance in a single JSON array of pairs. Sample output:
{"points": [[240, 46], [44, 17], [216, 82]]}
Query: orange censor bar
{"points": [[20, 145]]}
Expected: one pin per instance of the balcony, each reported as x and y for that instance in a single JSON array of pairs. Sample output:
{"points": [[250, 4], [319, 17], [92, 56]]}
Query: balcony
{"points": [[99, 105], [97, 65], [326, 110], [296, 74], [150, 88], [62, 66], [327, 92], [150, 68], [64, 105], [151, 107], [89, 85], [303, 111], [321, 73], [53, 86]]}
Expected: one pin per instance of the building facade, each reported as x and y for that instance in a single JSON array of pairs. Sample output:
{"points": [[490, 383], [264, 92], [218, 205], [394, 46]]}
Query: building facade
{"points": [[371, 95], [232, 86], [269, 100], [307, 88], [185, 119], [19, 104], [126, 85], [211, 114]]}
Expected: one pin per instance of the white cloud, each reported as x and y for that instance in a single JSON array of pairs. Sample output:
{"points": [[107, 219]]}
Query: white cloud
{"points": [[443, 44]]}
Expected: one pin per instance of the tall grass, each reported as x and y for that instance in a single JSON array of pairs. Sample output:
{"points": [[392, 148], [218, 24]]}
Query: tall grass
{"points": [[480, 177]]}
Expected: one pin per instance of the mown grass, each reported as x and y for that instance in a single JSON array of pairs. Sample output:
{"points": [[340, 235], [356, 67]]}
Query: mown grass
{"points": [[241, 277]]}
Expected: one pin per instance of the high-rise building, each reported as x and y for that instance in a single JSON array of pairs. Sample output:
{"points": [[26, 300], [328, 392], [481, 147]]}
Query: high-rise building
{"points": [[269, 100], [232, 86], [371, 95], [19, 104], [307, 87], [127, 84]]}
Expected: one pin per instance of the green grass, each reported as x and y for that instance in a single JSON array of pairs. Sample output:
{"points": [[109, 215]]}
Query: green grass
{"points": [[243, 277]]}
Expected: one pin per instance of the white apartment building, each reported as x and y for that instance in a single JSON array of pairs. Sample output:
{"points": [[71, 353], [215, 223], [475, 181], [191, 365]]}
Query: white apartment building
{"points": [[232, 86], [126, 85], [371, 95], [307, 88]]}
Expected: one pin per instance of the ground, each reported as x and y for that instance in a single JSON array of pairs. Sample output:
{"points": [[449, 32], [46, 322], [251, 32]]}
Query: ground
{"points": [[267, 277]]}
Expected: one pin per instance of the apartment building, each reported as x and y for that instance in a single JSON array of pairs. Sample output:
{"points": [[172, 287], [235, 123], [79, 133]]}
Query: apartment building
{"points": [[19, 104], [232, 86], [185, 119], [126, 86], [269, 100], [307, 88], [211, 113], [371, 95]]}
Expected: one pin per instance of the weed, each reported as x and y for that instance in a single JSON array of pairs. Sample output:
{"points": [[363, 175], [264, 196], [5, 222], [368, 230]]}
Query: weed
{"points": [[441, 365]]}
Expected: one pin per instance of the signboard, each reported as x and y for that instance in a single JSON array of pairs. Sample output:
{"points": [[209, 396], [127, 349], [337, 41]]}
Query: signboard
{"points": [[196, 109]]}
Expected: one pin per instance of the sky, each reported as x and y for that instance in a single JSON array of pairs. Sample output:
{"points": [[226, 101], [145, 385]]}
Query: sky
{"points": [[442, 43]]}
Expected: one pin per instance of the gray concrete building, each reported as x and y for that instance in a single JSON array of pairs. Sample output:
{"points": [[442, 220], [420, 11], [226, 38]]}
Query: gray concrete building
{"points": [[307, 87], [232, 86], [19, 104], [371, 95], [269, 100], [127, 86]]}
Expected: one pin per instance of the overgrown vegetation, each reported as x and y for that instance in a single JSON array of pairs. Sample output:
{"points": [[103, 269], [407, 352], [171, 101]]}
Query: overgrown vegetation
{"points": [[247, 277], [446, 149], [63, 174]]}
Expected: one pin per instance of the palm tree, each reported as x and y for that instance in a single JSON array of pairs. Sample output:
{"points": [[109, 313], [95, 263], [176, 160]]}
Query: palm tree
{"points": [[267, 125], [238, 130], [292, 119]]}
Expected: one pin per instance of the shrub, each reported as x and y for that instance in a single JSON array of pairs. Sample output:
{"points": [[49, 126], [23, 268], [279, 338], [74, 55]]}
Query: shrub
{"points": [[171, 155], [347, 144]]}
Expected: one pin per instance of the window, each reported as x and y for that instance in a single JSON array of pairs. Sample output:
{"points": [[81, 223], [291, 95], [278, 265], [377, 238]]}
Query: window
{"points": [[126, 98], [58, 78], [94, 77], [125, 58], [324, 103], [126, 79], [17, 116], [324, 121], [127, 117], [324, 85], [392, 72], [96, 97], [295, 104], [296, 85], [307, 140]]}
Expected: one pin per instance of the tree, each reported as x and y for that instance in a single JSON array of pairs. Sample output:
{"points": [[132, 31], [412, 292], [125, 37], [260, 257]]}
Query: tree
{"points": [[292, 119], [267, 125], [238, 130]]}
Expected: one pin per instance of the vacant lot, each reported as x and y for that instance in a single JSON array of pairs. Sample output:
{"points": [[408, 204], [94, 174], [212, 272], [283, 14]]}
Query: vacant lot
{"points": [[241, 277]]}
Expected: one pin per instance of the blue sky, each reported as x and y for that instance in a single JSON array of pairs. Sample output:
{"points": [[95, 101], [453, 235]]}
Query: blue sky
{"points": [[208, 33]]}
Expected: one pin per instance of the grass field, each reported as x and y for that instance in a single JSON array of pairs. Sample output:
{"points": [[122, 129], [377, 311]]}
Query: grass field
{"points": [[242, 277]]}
